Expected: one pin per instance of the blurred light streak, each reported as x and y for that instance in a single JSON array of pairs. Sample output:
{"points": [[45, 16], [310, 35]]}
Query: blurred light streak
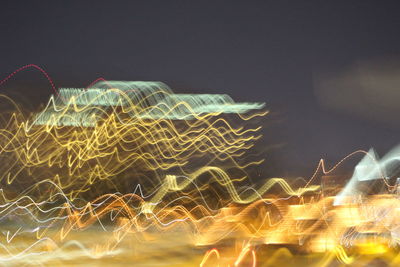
{"points": [[130, 172]]}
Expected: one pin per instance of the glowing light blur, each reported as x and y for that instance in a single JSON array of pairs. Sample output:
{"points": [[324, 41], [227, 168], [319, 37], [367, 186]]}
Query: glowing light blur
{"points": [[131, 172]]}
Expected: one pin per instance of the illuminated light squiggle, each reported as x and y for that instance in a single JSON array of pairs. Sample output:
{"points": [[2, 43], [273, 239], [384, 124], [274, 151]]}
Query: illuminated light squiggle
{"points": [[27, 67], [188, 167]]}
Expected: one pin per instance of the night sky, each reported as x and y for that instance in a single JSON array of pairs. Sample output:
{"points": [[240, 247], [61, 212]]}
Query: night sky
{"points": [[265, 51]]}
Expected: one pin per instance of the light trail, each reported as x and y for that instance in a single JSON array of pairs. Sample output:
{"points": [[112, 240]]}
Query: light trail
{"points": [[131, 172]]}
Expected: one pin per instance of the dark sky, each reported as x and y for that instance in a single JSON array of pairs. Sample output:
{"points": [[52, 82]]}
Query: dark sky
{"points": [[253, 50]]}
